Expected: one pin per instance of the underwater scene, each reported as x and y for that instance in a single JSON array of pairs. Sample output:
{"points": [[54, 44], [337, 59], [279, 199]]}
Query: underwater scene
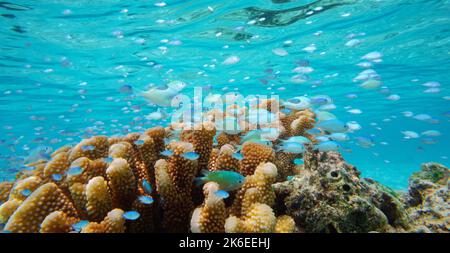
{"points": [[264, 116]]}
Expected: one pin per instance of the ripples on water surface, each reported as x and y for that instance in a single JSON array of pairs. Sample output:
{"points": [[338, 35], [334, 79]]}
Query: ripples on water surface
{"points": [[62, 64]]}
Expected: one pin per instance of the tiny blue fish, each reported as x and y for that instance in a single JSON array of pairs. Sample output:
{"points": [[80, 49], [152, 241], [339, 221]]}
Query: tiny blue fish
{"points": [[429, 141], [80, 225], [139, 142], [57, 177], [88, 148], [339, 137], [73, 171], [313, 131], [320, 100], [222, 194], [147, 186], [291, 147], [126, 89], [332, 126], [167, 153], [298, 161], [238, 156], [30, 167], [146, 199], [289, 178], [108, 159], [322, 138], [131, 215], [365, 142], [327, 146], [191, 155], [26, 192], [286, 111]]}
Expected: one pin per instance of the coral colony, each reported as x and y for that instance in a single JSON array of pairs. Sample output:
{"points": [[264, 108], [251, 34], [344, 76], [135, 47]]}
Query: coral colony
{"points": [[202, 177]]}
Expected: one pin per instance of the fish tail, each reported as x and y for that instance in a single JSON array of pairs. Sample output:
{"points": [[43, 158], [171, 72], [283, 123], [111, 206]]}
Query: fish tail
{"points": [[204, 172], [199, 181]]}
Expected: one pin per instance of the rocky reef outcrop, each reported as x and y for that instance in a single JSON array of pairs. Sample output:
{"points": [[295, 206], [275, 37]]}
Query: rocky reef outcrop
{"points": [[328, 195], [428, 199]]}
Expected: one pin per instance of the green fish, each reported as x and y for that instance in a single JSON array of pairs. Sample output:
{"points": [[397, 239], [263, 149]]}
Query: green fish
{"points": [[227, 180]]}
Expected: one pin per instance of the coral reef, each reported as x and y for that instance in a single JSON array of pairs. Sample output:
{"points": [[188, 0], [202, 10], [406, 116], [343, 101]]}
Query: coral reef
{"points": [[428, 199], [329, 196], [98, 182]]}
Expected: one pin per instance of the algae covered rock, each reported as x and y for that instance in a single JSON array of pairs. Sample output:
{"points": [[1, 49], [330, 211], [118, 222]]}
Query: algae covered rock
{"points": [[428, 199], [329, 196]]}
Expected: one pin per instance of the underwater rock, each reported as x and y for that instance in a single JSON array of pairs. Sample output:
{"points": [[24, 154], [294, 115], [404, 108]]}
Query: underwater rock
{"points": [[329, 196], [428, 199]]}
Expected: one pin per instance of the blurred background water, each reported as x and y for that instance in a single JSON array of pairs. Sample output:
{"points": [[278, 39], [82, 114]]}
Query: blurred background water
{"points": [[64, 67]]}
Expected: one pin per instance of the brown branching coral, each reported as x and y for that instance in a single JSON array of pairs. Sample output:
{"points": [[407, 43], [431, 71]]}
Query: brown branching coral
{"points": [[210, 217], [93, 148], [176, 203], [57, 222], [201, 137], [5, 188], [122, 183], [26, 184], [112, 223], [285, 224], [257, 188], [254, 154], [98, 198], [78, 196], [298, 122], [8, 208], [182, 171], [224, 138], [57, 166], [224, 159], [30, 214], [259, 219]]}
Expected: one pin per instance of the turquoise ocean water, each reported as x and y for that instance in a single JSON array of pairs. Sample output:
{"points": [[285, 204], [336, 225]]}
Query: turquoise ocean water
{"points": [[71, 69]]}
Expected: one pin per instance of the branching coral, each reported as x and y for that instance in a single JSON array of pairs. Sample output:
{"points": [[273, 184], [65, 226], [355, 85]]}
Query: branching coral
{"points": [[285, 224], [57, 166], [5, 188], [298, 122], [259, 219], [57, 222], [98, 198], [93, 148], [210, 217], [224, 138], [257, 188], [176, 203], [122, 183], [32, 212], [112, 223], [201, 137], [254, 154], [223, 159], [182, 170], [8, 208]]}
